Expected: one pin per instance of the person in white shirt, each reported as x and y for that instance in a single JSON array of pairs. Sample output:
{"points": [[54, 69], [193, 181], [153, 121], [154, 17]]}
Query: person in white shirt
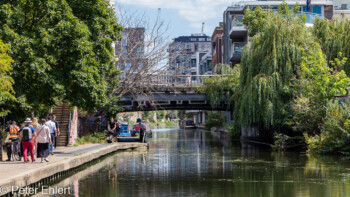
{"points": [[43, 138], [53, 132]]}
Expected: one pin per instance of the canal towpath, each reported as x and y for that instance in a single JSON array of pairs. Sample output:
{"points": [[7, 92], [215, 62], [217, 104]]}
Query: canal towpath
{"points": [[19, 174]]}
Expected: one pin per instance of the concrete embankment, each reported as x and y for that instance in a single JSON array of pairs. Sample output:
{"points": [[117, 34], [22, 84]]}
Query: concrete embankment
{"points": [[15, 175]]}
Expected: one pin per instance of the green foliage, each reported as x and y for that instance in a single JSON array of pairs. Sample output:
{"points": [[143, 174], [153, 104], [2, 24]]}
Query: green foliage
{"points": [[234, 132], [335, 134], [6, 81], [160, 115], [94, 138], [268, 64], [226, 85], [316, 85], [216, 120], [61, 50], [255, 20], [169, 124], [334, 37]]}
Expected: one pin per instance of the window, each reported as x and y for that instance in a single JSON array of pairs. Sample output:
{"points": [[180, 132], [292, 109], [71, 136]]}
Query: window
{"points": [[127, 66], [201, 39], [238, 47], [237, 21], [193, 63], [124, 39], [187, 46], [202, 47], [193, 39]]}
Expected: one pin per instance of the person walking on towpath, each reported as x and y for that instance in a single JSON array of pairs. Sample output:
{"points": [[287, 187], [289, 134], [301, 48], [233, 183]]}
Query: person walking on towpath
{"points": [[43, 138], [13, 131], [57, 128], [53, 132], [27, 133]]}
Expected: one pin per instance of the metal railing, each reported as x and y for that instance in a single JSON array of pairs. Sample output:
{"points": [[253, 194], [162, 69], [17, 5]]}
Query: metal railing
{"points": [[177, 80]]}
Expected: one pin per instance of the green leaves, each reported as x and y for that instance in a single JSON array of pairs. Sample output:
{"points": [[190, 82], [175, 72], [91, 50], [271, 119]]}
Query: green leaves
{"points": [[61, 50], [6, 81]]}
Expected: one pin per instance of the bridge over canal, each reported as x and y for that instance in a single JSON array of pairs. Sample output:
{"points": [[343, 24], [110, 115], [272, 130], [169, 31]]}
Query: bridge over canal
{"points": [[170, 92]]}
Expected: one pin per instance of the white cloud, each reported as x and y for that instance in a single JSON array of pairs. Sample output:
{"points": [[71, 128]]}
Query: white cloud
{"points": [[194, 11]]}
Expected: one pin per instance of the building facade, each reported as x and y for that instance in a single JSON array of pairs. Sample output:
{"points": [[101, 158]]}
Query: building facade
{"points": [[235, 34], [217, 46], [205, 64], [130, 51], [341, 9], [185, 53]]}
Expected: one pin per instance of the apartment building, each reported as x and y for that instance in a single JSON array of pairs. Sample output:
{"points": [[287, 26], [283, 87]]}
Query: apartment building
{"points": [[341, 8], [130, 51], [235, 35], [217, 46], [185, 53]]}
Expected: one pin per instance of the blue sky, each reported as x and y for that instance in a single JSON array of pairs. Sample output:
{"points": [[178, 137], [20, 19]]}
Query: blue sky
{"points": [[183, 16]]}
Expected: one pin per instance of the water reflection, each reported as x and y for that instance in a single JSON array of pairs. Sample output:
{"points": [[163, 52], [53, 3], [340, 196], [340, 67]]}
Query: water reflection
{"points": [[198, 163]]}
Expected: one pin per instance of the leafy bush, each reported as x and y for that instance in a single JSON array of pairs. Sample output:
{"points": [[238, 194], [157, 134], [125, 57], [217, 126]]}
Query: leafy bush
{"points": [[169, 123], [335, 135], [94, 138], [234, 132], [214, 120]]}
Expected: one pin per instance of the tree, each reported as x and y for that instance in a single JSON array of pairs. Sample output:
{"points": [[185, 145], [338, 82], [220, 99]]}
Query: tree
{"points": [[6, 90], [217, 88], [60, 51], [142, 53], [314, 89], [334, 38], [268, 64]]}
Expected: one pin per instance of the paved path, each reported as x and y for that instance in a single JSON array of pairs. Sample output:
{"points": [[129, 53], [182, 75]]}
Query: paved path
{"points": [[20, 174], [60, 153]]}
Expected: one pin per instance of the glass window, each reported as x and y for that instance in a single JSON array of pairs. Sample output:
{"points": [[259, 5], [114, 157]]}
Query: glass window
{"points": [[237, 21], [127, 66], [201, 39], [238, 47]]}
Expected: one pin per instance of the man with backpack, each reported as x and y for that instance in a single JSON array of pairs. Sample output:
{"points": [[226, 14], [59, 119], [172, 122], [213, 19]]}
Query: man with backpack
{"points": [[139, 128], [27, 133]]}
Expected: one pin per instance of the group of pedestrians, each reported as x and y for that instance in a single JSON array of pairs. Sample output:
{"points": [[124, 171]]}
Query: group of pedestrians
{"points": [[32, 135]]}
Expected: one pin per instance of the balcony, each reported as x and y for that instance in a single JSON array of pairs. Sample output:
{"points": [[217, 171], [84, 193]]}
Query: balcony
{"points": [[237, 31], [236, 52]]}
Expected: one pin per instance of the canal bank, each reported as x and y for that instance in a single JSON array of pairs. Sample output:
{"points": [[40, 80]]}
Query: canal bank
{"points": [[18, 174]]}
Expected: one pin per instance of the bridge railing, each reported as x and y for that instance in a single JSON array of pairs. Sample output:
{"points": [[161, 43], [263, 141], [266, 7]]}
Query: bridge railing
{"points": [[178, 80]]}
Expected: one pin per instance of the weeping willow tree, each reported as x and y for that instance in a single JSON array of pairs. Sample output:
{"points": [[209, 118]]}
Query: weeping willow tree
{"points": [[223, 88], [269, 64], [334, 38]]}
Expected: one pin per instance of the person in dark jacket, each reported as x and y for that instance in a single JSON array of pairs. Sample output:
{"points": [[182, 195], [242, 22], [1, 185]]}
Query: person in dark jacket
{"points": [[139, 128], [57, 128]]}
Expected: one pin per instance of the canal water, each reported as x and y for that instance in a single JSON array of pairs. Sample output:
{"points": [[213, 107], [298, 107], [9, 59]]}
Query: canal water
{"points": [[200, 163]]}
